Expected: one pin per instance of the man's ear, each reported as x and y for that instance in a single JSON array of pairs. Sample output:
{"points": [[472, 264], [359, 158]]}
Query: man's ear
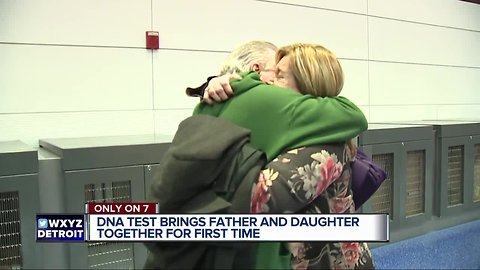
{"points": [[256, 67]]}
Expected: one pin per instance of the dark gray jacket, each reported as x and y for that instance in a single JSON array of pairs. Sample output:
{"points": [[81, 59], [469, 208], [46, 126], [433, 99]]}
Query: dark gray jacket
{"points": [[210, 167]]}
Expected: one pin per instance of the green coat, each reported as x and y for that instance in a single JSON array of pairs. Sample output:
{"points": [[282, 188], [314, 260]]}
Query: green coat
{"points": [[281, 119]]}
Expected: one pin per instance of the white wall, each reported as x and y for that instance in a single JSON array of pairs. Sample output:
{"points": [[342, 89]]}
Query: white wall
{"points": [[79, 68]]}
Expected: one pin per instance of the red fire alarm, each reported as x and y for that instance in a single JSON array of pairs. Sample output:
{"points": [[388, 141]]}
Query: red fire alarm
{"points": [[152, 40]]}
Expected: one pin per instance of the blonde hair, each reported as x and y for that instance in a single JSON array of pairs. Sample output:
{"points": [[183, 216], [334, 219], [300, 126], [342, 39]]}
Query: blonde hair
{"points": [[316, 69], [244, 56]]}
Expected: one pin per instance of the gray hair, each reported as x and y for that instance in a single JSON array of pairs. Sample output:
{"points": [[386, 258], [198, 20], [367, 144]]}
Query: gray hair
{"points": [[244, 56]]}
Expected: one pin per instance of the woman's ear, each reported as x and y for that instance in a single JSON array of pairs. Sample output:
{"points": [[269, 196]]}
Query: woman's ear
{"points": [[256, 67]]}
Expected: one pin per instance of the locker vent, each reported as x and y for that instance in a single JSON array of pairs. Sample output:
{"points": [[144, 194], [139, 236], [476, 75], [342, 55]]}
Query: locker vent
{"points": [[455, 175], [382, 199], [415, 183], [10, 240], [108, 255], [476, 174]]}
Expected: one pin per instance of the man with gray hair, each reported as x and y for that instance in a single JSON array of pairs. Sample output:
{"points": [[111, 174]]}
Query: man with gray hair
{"points": [[255, 55]]}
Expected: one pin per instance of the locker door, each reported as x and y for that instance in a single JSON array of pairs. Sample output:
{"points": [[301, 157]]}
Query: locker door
{"points": [[121, 184], [418, 195], [453, 161], [473, 183], [19, 203]]}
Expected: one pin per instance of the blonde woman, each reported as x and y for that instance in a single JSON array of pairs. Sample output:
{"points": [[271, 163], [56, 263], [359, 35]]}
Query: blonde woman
{"points": [[303, 126]]}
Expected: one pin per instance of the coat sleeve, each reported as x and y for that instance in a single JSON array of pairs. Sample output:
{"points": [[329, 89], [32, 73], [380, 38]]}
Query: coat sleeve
{"points": [[330, 119]]}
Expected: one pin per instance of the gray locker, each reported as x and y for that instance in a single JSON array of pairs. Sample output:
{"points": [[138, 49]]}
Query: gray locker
{"points": [[457, 166], [18, 206], [406, 153], [105, 169], [475, 144]]}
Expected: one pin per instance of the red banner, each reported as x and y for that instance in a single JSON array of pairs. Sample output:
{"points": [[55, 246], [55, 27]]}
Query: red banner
{"points": [[121, 208]]}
